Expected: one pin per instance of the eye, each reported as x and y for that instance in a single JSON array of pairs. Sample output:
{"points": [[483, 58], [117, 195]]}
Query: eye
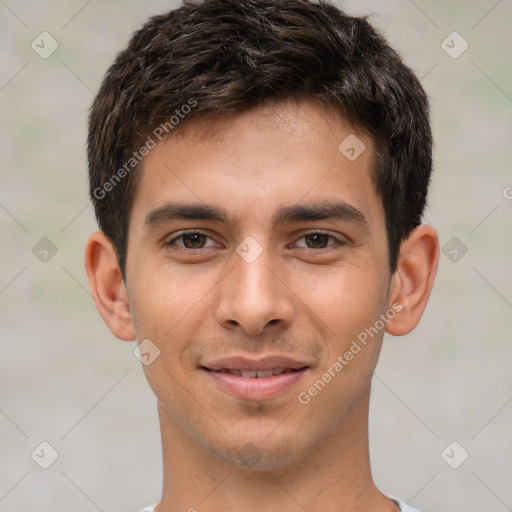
{"points": [[192, 240], [318, 240]]}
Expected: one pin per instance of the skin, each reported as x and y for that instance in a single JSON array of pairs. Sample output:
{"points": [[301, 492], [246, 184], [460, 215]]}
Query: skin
{"points": [[304, 297]]}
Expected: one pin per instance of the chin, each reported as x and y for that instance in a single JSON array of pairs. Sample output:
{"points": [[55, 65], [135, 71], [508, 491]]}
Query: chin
{"points": [[259, 454]]}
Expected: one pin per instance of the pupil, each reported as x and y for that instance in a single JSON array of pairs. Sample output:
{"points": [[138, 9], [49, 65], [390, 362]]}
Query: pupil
{"points": [[195, 238], [318, 239]]}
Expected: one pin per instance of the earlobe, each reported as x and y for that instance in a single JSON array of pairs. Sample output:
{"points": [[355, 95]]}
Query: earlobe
{"points": [[107, 286], [413, 280]]}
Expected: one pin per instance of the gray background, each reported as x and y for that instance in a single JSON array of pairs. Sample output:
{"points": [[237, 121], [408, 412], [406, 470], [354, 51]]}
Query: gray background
{"points": [[66, 380]]}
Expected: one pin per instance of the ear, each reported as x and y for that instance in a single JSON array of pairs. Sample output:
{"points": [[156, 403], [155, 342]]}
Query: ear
{"points": [[107, 286], [413, 279]]}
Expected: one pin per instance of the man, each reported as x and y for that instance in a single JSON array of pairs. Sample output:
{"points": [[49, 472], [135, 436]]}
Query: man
{"points": [[259, 170]]}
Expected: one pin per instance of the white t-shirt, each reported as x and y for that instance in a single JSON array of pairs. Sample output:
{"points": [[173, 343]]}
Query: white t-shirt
{"points": [[403, 507]]}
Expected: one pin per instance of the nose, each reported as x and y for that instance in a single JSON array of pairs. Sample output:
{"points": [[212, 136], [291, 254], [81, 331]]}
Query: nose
{"points": [[254, 296]]}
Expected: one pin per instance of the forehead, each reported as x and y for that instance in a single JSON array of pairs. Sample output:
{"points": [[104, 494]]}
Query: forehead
{"points": [[248, 164]]}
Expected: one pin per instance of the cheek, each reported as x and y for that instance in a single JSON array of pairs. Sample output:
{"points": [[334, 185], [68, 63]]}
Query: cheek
{"points": [[156, 305], [347, 299], [348, 305], [168, 302], [166, 311]]}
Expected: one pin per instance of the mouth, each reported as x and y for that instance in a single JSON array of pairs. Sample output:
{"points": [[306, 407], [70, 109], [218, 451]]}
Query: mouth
{"points": [[256, 374], [261, 379]]}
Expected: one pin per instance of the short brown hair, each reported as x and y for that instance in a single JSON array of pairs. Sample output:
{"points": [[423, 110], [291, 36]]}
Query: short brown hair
{"points": [[220, 57]]}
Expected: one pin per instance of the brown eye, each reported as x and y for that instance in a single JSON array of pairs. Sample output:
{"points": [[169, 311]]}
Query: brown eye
{"points": [[317, 240], [191, 240], [194, 240]]}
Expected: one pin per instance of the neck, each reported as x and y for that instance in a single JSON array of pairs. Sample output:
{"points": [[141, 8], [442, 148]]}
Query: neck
{"points": [[336, 476]]}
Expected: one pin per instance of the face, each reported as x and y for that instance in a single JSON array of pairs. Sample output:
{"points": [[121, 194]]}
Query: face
{"points": [[257, 261]]}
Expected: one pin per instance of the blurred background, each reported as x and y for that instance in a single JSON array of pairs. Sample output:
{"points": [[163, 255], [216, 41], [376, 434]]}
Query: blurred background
{"points": [[78, 422]]}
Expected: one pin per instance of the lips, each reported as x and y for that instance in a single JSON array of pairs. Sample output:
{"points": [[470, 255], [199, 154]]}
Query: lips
{"points": [[268, 363], [256, 379], [255, 374]]}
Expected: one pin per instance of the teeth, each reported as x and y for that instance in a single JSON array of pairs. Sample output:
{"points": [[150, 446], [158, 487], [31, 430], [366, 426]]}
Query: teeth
{"points": [[264, 373], [260, 374]]}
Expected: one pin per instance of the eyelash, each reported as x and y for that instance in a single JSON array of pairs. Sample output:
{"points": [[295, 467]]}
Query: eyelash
{"points": [[338, 243]]}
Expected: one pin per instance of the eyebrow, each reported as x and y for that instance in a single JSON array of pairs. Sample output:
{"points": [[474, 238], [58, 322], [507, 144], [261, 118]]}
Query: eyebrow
{"points": [[338, 210]]}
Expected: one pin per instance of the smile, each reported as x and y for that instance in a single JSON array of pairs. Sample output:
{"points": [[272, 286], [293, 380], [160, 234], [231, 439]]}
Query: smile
{"points": [[256, 384], [256, 374]]}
